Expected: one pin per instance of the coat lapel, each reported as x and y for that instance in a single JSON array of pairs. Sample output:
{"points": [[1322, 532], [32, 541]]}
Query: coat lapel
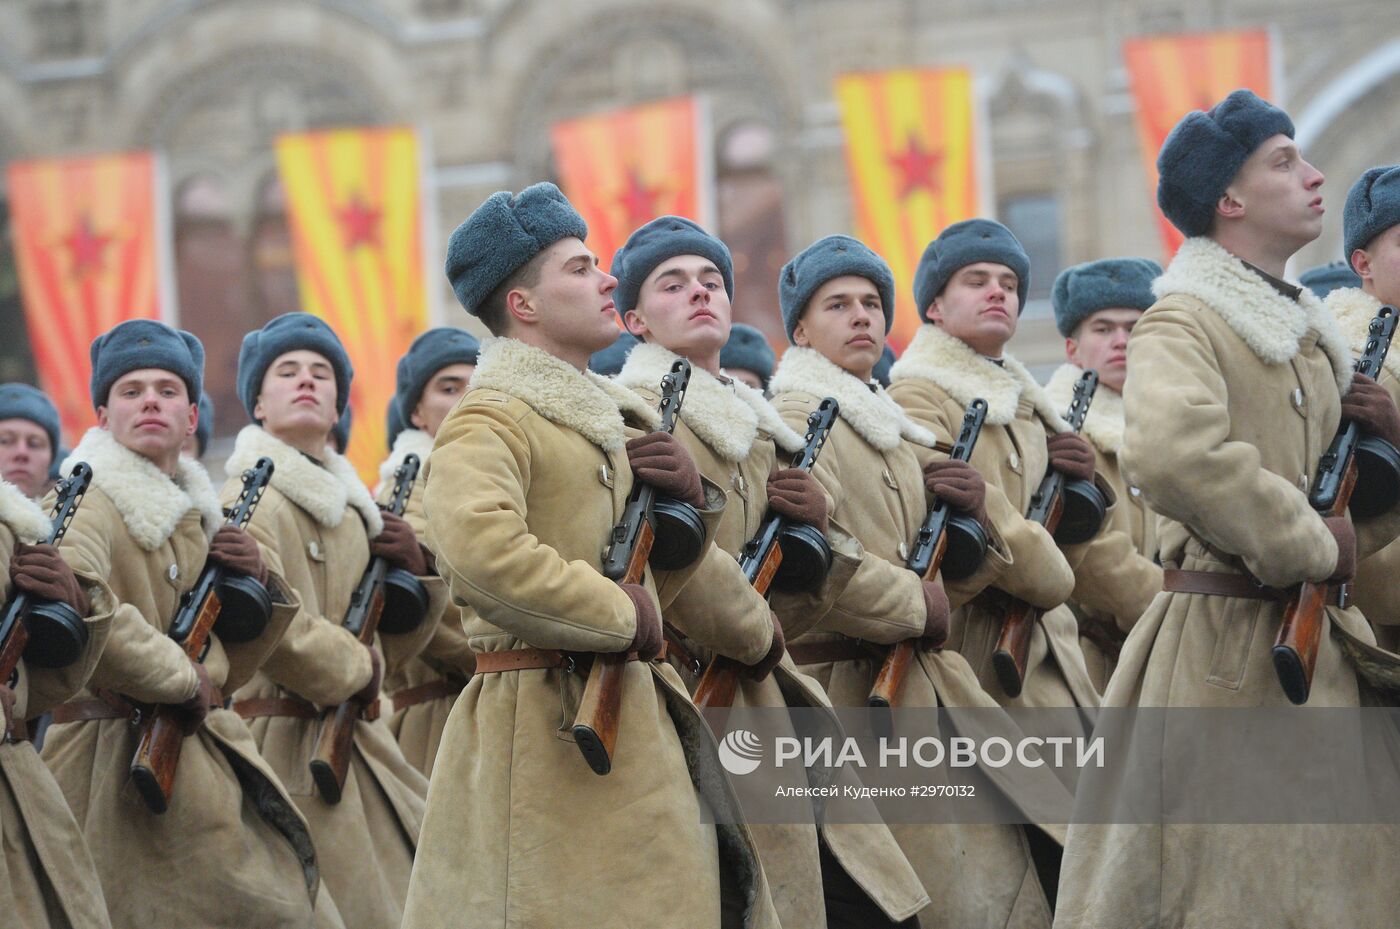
{"points": [[409, 442], [865, 407], [22, 516], [1104, 423], [326, 493]]}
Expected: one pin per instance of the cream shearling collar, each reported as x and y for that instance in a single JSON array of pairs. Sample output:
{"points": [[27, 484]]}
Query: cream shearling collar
{"points": [[408, 442], [1104, 424], [1354, 309], [726, 417], [870, 412], [585, 402], [323, 492], [951, 363], [150, 502], [1271, 325], [22, 516]]}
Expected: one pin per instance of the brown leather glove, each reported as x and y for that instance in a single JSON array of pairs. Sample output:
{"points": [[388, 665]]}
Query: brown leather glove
{"points": [[1370, 406], [1342, 531], [936, 613], [398, 545], [797, 495], [769, 661], [958, 484], [41, 572], [1071, 455], [370, 691], [659, 459], [7, 708], [647, 642], [195, 710], [233, 549]]}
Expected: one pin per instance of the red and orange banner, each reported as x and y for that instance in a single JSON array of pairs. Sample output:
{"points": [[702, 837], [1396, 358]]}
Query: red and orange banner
{"points": [[623, 168], [1171, 75], [86, 246], [911, 151], [353, 202]]}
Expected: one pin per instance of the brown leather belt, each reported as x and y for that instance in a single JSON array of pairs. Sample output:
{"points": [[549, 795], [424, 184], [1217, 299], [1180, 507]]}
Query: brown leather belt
{"points": [[109, 705], [528, 659], [425, 693], [1242, 586], [834, 650], [260, 707]]}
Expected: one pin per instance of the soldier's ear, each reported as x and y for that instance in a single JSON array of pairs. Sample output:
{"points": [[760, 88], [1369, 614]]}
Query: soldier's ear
{"points": [[634, 323], [1361, 264], [1228, 206], [519, 307]]}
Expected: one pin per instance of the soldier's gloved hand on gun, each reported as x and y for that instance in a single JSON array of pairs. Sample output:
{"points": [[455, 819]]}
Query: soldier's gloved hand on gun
{"points": [[398, 544], [958, 484], [795, 494], [1370, 406], [1071, 455], [647, 641], [7, 706], [195, 710], [660, 460], [769, 661], [40, 571], [370, 691], [936, 613], [1345, 534], [235, 550]]}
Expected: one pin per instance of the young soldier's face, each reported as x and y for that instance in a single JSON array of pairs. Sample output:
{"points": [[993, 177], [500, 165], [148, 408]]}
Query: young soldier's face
{"points": [[149, 411], [1101, 344], [1280, 193], [683, 306], [979, 305], [25, 455], [572, 300], [298, 395], [746, 376], [1378, 264], [444, 389], [845, 321]]}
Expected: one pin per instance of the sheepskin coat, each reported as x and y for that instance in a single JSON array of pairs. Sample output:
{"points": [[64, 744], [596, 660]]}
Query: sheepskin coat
{"points": [[313, 528], [528, 476], [1235, 393], [737, 439], [47, 876], [242, 852], [1115, 576]]}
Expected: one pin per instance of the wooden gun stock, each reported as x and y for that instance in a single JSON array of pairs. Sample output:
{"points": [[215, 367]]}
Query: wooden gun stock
{"points": [[1013, 651], [720, 682], [330, 763], [11, 651], [599, 712], [1300, 634], [890, 681]]}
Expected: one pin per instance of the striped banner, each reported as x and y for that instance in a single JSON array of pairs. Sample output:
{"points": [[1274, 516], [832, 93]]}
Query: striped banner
{"points": [[86, 244], [353, 202], [911, 152], [623, 168], [1171, 75]]}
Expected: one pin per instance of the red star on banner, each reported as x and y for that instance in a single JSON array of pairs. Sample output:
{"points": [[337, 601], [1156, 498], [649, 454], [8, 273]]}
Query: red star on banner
{"points": [[638, 200], [85, 247], [359, 223], [917, 168]]}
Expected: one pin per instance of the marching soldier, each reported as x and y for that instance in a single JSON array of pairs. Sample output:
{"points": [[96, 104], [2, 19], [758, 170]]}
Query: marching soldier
{"points": [[1239, 381], [317, 527], [231, 849], [432, 377], [1096, 306], [969, 289], [47, 876], [838, 305], [529, 474], [1371, 222], [29, 438], [675, 282], [747, 357]]}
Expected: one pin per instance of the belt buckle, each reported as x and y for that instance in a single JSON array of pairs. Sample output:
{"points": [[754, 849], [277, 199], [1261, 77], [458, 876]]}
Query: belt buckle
{"points": [[1343, 595]]}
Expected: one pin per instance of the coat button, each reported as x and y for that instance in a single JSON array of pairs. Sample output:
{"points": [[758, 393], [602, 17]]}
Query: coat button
{"points": [[173, 572], [740, 484], [1136, 492], [1298, 398], [314, 549], [605, 475], [903, 549], [1303, 483], [889, 479], [1015, 461]]}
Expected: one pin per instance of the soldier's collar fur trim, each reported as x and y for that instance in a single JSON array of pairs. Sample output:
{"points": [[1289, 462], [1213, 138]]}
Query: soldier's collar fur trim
{"points": [[583, 401], [1272, 325], [150, 502], [727, 417], [24, 518], [325, 493], [950, 363], [1105, 424], [870, 412], [408, 442], [1354, 309]]}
